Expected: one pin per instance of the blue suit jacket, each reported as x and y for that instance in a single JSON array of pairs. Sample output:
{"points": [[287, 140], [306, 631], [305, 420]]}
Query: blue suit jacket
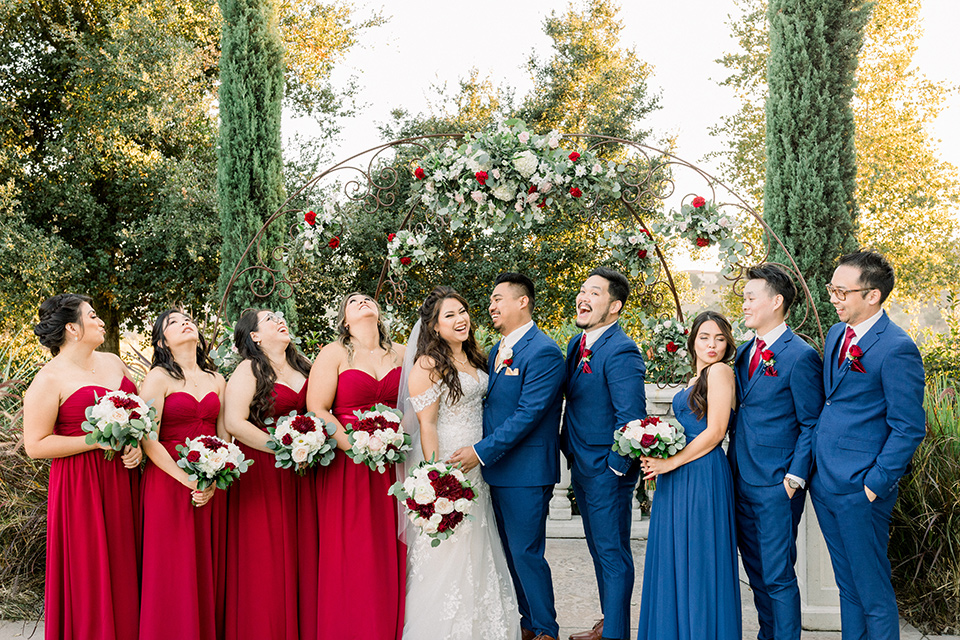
{"points": [[521, 415], [601, 402], [871, 422], [776, 415]]}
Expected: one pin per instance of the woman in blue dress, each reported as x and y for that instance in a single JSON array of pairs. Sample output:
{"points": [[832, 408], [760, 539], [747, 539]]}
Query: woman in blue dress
{"points": [[691, 588]]}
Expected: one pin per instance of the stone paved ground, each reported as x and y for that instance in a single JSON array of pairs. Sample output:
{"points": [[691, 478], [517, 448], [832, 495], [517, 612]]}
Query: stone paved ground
{"points": [[576, 592]]}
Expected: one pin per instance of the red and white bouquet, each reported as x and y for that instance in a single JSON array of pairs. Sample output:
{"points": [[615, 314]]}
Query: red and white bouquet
{"points": [[211, 461], [437, 497], [301, 441], [651, 437], [119, 419], [376, 438]]}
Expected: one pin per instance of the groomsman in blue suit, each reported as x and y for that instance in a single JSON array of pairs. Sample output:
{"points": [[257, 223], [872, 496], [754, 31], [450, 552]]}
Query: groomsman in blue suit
{"points": [[604, 391], [519, 450], [871, 424], [779, 398]]}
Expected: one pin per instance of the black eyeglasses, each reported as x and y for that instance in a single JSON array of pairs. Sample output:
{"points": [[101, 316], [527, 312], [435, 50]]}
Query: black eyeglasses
{"points": [[841, 294]]}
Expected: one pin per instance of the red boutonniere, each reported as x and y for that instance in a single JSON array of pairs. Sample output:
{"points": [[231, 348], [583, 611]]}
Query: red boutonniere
{"points": [[508, 361], [853, 355], [768, 363], [585, 361]]}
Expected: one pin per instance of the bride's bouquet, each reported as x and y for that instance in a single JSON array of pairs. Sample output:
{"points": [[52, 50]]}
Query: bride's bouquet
{"points": [[437, 497], [651, 437], [119, 419], [212, 461], [376, 438], [301, 441]]}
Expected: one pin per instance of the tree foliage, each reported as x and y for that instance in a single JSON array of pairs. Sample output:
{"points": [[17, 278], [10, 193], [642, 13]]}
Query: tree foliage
{"points": [[907, 194]]}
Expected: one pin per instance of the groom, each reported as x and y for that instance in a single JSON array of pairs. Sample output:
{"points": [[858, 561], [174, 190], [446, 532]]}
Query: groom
{"points": [[519, 451]]}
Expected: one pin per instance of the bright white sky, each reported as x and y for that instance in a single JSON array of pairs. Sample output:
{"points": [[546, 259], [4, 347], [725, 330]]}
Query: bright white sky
{"points": [[430, 42]]}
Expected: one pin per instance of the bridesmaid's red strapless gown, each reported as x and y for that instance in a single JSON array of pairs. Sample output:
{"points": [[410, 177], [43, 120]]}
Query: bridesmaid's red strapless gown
{"points": [[92, 583], [262, 538], [184, 547], [362, 562]]}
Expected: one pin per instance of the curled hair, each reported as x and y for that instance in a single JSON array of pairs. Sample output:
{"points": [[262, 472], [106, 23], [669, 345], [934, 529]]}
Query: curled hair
{"points": [[163, 357], [343, 333], [55, 314], [432, 345], [261, 407], [698, 393]]}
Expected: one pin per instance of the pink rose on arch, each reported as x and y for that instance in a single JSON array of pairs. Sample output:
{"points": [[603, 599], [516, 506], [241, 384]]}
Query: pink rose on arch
{"points": [[698, 202]]}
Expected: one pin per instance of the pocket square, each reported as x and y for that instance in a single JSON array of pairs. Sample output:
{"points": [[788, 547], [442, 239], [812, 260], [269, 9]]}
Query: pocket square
{"points": [[511, 372]]}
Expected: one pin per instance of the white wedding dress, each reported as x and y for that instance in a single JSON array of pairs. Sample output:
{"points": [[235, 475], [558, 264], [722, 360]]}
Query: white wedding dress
{"points": [[461, 589]]}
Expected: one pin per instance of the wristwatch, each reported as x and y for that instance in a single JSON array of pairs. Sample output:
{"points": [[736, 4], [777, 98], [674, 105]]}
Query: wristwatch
{"points": [[793, 484]]}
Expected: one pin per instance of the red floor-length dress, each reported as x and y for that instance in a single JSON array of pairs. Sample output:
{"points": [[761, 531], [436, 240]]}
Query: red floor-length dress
{"points": [[262, 554], [92, 580], [184, 547], [362, 570]]}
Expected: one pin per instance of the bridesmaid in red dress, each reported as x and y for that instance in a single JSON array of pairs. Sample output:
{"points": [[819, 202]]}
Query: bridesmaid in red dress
{"points": [[182, 527], [92, 580], [262, 553], [362, 562]]}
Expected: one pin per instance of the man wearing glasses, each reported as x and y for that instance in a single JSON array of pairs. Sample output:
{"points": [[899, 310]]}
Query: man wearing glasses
{"points": [[872, 422]]}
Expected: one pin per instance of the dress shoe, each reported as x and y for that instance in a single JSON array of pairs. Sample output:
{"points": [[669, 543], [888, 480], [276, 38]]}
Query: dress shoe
{"points": [[526, 634], [596, 633]]}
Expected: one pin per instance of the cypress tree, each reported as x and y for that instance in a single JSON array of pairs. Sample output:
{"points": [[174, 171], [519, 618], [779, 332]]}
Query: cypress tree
{"points": [[809, 195], [250, 160]]}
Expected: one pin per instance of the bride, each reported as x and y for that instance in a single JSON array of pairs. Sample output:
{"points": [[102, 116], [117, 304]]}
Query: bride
{"points": [[461, 589]]}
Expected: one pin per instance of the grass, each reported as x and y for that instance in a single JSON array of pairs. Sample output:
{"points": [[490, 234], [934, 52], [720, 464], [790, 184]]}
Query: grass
{"points": [[23, 489], [925, 531]]}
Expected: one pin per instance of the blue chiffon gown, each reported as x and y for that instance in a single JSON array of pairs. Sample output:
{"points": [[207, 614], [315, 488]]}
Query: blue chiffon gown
{"points": [[691, 588]]}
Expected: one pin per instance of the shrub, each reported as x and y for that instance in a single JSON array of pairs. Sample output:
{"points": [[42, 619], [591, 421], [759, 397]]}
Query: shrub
{"points": [[925, 530]]}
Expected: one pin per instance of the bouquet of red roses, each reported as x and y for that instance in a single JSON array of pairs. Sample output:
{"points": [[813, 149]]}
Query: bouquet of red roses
{"points": [[437, 497], [651, 437], [301, 441], [119, 419], [376, 438], [211, 461]]}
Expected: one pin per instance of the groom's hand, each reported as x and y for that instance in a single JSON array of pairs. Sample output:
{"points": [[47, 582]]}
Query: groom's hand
{"points": [[466, 457]]}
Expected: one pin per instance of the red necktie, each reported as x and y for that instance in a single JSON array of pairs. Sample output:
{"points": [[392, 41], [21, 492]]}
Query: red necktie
{"points": [[851, 334], [755, 360], [583, 347]]}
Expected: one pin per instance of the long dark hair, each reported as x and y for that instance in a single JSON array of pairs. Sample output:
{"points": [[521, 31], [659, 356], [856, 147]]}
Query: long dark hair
{"points": [[163, 357], [698, 394], [55, 313], [261, 407], [431, 344], [343, 333]]}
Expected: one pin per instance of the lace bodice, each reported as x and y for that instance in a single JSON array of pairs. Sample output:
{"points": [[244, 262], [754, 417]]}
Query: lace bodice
{"points": [[460, 424]]}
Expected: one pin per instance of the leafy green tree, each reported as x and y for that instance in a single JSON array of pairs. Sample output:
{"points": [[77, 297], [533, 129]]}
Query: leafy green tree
{"points": [[906, 194], [590, 83]]}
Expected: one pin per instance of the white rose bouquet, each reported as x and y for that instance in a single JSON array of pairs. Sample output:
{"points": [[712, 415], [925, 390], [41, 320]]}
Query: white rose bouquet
{"points": [[651, 437], [119, 419], [437, 497], [377, 439], [302, 441], [211, 461]]}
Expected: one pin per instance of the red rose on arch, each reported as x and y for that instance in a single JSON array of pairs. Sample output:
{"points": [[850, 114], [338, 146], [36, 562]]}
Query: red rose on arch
{"points": [[420, 173], [310, 218], [647, 231], [574, 156], [698, 202], [648, 440], [481, 177], [532, 189], [542, 204], [642, 254], [405, 260], [702, 242], [672, 347], [334, 242], [575, 192], [391, 236]]}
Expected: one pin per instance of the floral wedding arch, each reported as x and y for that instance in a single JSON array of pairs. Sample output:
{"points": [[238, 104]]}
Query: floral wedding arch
{"points": [[507, 176]]}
